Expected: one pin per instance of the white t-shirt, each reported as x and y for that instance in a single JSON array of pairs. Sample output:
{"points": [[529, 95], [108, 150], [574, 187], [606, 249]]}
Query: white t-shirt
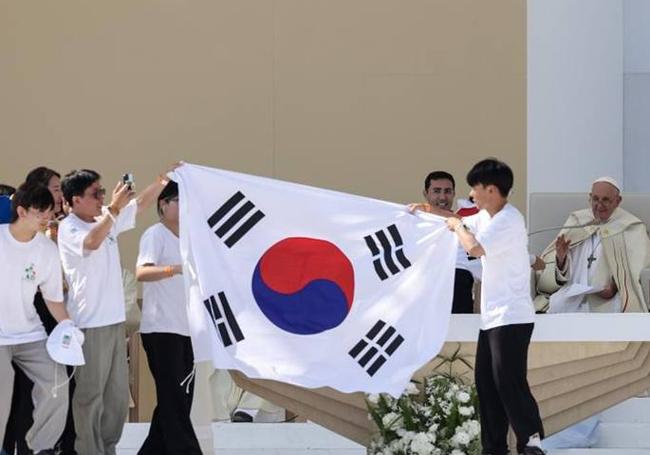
{"points": [[505, 288], [464, 262], [163, 301], [95, 295], [26, 266]]}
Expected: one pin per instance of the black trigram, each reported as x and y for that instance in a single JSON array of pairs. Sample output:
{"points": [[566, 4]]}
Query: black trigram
{"points": [[372, 351], [223, 319], [228, 218], [385, 253]]}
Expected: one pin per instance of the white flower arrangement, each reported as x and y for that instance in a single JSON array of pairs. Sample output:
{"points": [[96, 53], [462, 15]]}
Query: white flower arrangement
{"points": [[438, 418]]}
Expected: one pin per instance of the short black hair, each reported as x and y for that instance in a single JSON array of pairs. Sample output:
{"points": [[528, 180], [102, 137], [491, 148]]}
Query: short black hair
{"points": [[75, 183], [41, 175], [31, 196], [491, 172], [439, 175], [170, 191], [6, 190]]}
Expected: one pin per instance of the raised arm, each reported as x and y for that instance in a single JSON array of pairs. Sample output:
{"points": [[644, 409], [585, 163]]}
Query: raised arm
{"points": [[467, 239], [121, 197], [150, 194]]}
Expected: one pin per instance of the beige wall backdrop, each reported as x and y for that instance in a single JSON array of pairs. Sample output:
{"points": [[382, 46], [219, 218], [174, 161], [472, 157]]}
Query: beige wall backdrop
{"points": [[362, 96]]}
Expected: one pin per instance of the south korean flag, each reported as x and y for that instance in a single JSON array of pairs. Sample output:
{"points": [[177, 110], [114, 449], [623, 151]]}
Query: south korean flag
{"points": [[310, 286]]}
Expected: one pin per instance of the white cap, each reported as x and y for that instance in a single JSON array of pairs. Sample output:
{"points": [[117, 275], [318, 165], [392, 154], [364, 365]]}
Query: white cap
{"points": [[64, 344], [609, 180]]}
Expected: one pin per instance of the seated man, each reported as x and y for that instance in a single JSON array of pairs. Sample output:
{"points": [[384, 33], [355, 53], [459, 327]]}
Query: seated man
{"points": [[595, 263], [439, 191]]}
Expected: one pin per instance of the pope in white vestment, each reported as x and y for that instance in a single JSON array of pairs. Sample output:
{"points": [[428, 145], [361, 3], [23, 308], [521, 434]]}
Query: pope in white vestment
{"points": [[595, 263]]}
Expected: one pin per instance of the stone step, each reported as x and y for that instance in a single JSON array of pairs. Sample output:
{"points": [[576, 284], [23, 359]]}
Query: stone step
{"points": [[285, 436], [634, 410], [624, 435], [598, 451], [134, 435], [254, 439]]}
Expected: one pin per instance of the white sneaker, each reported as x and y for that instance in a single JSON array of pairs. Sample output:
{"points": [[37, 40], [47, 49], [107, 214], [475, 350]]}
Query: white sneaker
{"points": [[270, 417]]}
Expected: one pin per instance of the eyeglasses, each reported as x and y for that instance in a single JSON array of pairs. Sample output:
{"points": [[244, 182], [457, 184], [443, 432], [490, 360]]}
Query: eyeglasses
{"points": [[42, 215], [447, 191], [604, 201], [99, 193]]}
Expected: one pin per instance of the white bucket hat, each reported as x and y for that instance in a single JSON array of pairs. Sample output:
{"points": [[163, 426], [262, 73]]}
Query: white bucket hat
{"points": [[64, 344]]}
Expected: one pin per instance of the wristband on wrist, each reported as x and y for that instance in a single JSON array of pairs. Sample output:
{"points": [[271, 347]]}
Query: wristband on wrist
{"points": [[109, 214]]}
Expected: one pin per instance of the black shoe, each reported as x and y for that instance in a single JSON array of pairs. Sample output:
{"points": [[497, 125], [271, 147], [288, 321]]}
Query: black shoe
{"points": [[241, 417], [46, 452], [532, 450]]}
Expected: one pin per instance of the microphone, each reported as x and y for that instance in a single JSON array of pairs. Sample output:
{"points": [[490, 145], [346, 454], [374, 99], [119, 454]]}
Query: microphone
{"points": [[577, 226], [558, 228]]}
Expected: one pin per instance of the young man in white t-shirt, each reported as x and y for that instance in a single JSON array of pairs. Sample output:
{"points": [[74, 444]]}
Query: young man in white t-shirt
{"points": [[497, 234], [30, 262], [166, 333], [91, 262]]}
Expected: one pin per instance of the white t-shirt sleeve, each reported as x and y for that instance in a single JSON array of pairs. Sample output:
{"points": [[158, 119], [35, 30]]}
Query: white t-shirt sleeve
{"points": [[126, 219], [52, 284], [71, 239], [471, 222], [150, 248], [497, 236]]}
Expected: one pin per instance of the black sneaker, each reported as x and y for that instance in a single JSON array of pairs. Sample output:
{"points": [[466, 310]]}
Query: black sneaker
{"points": [[532, 450], [241, 417]]}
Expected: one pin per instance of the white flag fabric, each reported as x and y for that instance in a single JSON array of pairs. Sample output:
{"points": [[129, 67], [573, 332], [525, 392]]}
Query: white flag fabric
{"points": [[310, 286]]}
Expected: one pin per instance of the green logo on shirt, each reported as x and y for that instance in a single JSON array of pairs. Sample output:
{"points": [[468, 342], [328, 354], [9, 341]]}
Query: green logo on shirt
{"points": [[30, 273]]}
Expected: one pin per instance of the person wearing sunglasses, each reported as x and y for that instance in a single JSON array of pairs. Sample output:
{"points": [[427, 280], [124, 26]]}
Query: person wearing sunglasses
{"points": [[90, 257], [600, 253]]}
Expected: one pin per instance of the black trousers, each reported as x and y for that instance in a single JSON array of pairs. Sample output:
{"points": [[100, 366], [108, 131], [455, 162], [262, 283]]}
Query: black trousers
{"points": [[20, 416], [503, 391], [170, 361], [463, 299]]}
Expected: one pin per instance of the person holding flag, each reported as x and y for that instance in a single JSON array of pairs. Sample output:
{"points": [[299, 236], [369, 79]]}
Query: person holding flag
{"points": [[497, 235], [440, 191], [165, 332]]}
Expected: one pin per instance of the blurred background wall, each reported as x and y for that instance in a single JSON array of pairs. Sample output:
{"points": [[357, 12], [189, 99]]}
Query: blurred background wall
{"points": [[361, 96]]}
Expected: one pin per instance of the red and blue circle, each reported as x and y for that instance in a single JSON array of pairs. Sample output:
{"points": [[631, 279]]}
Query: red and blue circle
{"points": [[304, 285]]}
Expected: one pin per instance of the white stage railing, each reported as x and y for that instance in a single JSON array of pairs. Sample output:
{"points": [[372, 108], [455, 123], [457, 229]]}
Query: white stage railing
{"points": [[568, 327]]}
